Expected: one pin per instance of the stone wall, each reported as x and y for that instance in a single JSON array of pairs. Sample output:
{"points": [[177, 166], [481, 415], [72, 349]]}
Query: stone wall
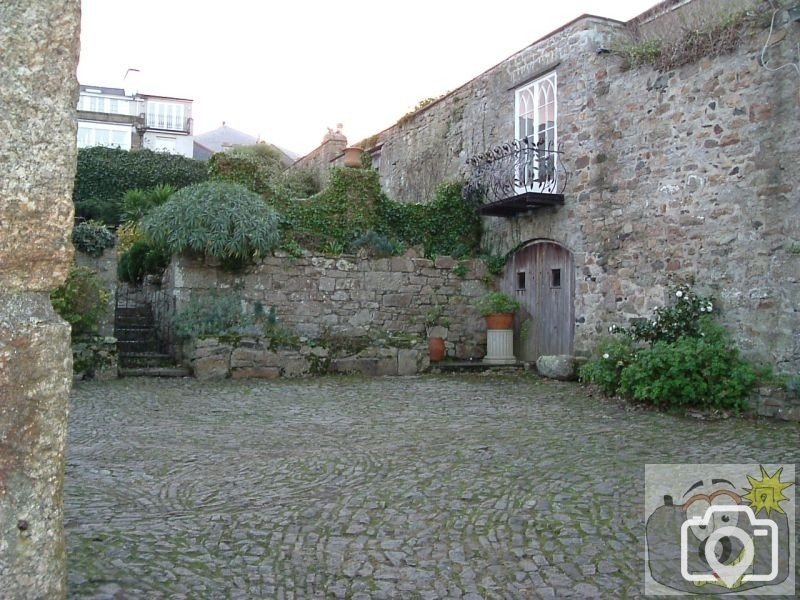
{"points": [[105, 266], [678, 174], [320, 160], [317, 297], [38, 96]]}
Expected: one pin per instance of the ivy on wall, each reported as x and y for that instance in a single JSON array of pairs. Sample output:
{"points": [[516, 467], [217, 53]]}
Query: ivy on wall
{"points": [[105, 174], [353, 207]]}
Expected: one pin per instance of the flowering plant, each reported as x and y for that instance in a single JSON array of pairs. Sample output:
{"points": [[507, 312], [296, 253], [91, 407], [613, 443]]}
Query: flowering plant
{"points": [[683, 317]]}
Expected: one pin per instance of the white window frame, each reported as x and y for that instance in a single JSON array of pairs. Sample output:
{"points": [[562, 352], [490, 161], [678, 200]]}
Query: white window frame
{"points": [[536, 126], [96, 134]]}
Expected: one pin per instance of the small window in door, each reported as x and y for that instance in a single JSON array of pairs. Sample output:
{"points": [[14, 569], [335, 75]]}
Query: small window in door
{"points": [[521, 280], [556, 280]]}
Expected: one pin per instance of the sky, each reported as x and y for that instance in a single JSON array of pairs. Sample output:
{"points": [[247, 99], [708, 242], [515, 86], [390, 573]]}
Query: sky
{"points": [[286, 71]]}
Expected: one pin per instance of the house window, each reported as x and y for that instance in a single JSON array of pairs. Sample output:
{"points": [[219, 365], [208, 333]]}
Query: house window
{"points": [[112, 136], [556, 275], [536, 122], [163, 115], [521, 280]]}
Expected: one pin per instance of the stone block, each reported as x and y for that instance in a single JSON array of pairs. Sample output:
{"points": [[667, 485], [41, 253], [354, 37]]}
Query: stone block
{"points": [[445, 262], [372, 367], [216, 366], [293, 364], [562, 367], [409, 361], [256, 373], [402, 264], [246, 357], [399, 300]]}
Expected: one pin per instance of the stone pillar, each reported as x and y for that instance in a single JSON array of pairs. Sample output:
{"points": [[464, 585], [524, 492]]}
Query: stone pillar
{"points": [[38, 96], [500, 347]]}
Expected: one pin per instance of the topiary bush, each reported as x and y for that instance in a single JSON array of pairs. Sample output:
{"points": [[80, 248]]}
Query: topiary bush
{"points": [[81, 300], [92, 238], [222, 220], [375, 245], [142, 258]]}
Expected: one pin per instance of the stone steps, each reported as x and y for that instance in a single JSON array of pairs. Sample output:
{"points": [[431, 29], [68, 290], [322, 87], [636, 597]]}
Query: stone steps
{"points": [[155, 372]]}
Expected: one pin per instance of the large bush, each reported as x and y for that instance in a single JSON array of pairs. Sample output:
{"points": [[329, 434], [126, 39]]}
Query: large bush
{"points": [[679, 358], [105, 174], [218, 219], [81, 300], [702, 371]]}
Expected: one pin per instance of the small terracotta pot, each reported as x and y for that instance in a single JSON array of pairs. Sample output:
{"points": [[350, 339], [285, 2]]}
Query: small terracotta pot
{"points": [[352, 156], [500, 321], [436, 349]]}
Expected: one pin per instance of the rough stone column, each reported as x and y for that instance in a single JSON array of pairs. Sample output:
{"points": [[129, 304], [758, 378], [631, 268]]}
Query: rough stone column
{"points": [[38, 96]]}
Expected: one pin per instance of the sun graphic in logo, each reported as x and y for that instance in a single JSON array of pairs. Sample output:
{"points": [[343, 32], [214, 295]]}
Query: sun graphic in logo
{"points": [[766, 493]]}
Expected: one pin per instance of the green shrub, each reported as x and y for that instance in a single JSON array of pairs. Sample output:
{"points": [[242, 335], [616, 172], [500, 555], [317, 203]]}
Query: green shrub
{"points": [[256, 174], [81, 300], [704, 371], [210, 315], [605, 369], [107, 173], [375, 245], [142, 258], [218, 219], [685, 316], [102, 211], [92, 238], [299, 183], [136, 204]]}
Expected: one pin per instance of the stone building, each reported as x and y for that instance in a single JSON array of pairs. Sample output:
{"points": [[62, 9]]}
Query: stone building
{"points": [[624, 177]]}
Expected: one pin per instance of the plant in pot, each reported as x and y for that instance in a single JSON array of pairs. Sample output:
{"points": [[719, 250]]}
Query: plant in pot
{"points": [[436, 327], [498, 308]]}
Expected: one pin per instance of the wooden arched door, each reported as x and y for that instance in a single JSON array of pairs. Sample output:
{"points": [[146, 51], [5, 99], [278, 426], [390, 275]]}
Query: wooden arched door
{"points": [[541, 275]]}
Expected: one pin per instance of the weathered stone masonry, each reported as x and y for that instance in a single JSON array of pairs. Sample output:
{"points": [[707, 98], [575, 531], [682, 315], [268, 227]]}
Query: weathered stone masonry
{"points": [[38, 95], [691, 172], [318, 296]]}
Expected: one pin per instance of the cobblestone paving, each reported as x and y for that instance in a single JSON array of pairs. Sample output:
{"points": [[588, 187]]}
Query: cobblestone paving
{"points": [[424, 487]]}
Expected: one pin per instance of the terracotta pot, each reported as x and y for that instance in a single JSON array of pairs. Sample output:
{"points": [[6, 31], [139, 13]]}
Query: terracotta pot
{"points": [[436, 349], [500, 321], [352, 156]]}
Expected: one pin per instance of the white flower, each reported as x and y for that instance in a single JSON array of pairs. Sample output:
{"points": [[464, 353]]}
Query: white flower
{"points": [[679, 294], [708, 308], [612, 329], [702, 309], [605, 355]]}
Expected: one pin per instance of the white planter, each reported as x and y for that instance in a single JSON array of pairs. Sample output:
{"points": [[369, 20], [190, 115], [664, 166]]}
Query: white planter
{"points": [[500, 347]]}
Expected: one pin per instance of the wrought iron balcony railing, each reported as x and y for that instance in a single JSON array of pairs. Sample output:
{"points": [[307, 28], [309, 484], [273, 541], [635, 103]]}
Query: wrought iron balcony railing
{"points": [[517, 176]]}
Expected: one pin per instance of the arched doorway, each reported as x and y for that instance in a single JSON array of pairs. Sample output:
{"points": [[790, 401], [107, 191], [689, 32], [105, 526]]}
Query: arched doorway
{"points": [[541, 275]]}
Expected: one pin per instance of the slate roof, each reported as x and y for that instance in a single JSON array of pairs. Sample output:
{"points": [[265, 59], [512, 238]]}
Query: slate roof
{"points": [[222, 138]]}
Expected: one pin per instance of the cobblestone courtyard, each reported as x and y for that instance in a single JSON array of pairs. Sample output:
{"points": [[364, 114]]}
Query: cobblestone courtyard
{"points": [[423, 487]]}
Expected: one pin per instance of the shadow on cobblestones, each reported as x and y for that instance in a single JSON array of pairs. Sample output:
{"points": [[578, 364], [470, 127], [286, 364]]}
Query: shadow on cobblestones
{"points": [[418, 487]]}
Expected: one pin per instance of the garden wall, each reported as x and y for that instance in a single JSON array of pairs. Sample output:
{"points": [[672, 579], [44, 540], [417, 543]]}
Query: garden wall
{"points": [[691, 172], [323, 298]]}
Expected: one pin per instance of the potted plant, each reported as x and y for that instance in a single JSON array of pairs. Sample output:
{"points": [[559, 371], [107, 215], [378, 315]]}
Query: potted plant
{"points": [[498, 308], [436, 327]]}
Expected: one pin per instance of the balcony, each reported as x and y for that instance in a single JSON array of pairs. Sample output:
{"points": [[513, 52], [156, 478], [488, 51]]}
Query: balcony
{"points": [[165, 123], [516, 177]]}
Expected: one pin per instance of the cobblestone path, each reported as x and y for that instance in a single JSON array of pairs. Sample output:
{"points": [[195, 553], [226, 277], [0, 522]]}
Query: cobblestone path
{"points": [[421, 487]]}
